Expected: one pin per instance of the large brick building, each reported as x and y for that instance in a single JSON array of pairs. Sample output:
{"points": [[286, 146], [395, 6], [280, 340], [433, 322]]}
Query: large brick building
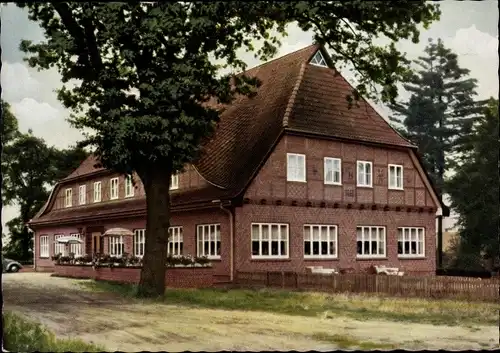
{"points": [[291, 178]]}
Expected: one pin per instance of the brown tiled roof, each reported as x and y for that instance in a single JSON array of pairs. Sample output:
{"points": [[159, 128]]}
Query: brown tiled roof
{"points": [[293, 95]]}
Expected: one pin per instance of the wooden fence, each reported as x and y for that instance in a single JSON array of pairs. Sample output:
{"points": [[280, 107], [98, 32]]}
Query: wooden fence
{"points": [[424, 287]]}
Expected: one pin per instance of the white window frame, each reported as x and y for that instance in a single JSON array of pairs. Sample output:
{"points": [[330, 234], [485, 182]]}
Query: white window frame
{"points": [[332, 162], [364, 164], [289, 167], [174, 182], [68, 197], [59, 248], [395, 168], [204, 234], [367, 235], [175, 241], [82, 193], [129, 186], [139, 239], [77, 249], [268, 242], [44, 247], [331, 237], [405, 235], [116, 246], [97, 191], [319, 60], [114, 195]]}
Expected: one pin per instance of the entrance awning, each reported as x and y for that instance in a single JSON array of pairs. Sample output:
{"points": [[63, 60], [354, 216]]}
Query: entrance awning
{"points": [[117, 232], [69, 240]]}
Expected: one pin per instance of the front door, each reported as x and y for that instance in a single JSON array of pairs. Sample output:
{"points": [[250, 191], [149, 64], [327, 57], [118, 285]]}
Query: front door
{"points": [[97, 243]]}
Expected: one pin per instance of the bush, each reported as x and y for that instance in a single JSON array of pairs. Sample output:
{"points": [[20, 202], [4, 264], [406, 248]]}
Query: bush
{"points": [[21, 335]]}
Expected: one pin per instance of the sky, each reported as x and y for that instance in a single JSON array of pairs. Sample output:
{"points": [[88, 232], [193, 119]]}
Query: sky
{"points": [[469, 28]]}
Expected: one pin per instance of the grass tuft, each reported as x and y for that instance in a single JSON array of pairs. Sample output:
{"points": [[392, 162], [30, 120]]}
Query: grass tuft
{"points": [[343, 341], [22, 335], [438, 312]]}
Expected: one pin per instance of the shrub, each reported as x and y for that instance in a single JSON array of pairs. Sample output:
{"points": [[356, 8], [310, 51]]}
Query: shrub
{"points": [[21, 335]]}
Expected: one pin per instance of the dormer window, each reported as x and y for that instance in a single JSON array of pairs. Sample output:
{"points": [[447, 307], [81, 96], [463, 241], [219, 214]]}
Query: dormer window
{"points": [[318, 60], [68, 197], [174, 182]]}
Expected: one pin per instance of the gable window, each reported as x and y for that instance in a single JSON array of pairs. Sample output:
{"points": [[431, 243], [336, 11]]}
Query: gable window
{"points": [[68, 197], [333, 174], [411, 242], [395, 176], [174, 182], [82, 194], [209, 241], [129, 186], [175, 241], [269, 240], [370, 241], [116, 246], [139, 240], [44, 246], [364, 173], [113, 189], [320, 241], [59, 248], [296, 167], [318, 59], [76, 249], [97, 191]]}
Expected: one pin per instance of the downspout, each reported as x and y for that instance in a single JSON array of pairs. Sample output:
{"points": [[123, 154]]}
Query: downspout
{"points": [[231, 238]]}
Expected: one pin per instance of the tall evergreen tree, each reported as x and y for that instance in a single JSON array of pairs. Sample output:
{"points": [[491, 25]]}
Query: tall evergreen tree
{"points": [[441, 110], [474, 192]]}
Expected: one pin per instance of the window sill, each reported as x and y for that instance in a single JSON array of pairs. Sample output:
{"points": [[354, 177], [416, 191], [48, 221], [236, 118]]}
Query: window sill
{"points": [[214, 258], [370, 258], [128, 196], [365, 186], [409, 257], [396, 189], [44, 257], [282, 259], [320, 258], [296, 181], [332, 184]]}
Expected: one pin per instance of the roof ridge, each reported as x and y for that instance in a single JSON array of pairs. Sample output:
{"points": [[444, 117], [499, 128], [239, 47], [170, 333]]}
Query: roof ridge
{"points": [[281, 57], [293, 95]]}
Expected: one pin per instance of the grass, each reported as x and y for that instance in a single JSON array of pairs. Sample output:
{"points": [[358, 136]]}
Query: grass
{"points": [[438, 312], [343, 341], [22, 335]]}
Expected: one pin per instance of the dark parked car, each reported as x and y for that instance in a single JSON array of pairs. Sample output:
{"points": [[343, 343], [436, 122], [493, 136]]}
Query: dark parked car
{"points": [[9, 265]]}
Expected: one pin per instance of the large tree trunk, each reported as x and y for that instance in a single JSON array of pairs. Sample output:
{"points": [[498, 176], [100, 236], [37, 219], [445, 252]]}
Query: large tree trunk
{"points": [[156, 185]]}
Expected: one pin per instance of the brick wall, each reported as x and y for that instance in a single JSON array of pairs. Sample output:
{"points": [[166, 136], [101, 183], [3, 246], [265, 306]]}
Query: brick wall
{"points": [[174, 277], [346, 220]]}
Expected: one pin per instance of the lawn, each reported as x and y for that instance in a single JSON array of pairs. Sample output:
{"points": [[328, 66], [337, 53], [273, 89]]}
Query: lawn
{"points": [[437, 312]]}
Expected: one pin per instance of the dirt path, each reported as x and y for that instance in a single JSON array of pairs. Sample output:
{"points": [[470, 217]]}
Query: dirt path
{"points": [[131, 325]]}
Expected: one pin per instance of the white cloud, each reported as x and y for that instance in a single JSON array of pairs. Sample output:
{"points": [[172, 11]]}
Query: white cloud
{"points": [[20, 83]]}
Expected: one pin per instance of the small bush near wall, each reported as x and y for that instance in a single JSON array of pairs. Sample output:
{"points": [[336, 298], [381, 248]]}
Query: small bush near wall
{"points": [[21, 335], [104, 260]]}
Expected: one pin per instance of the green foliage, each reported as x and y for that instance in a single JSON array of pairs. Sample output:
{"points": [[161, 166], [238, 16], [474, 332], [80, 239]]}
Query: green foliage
{"points": [[147, 72], [10, 127], [441, 110], [474, 193], [21, 335]]}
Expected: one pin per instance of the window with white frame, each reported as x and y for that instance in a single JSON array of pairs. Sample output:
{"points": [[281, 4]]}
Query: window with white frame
{"points": [[82, 190], [76, 248], [139, 241], [270, 240], [175, 241], [209, 242], [318, 59], [333, 174], [371, 241], [364, 173], [116, 246], [320, 241], [129, 186], [113, 189], [296, 167], [44, 246], [174, 182], [395, 176], [411, 242], [68, 197], [59, 248], [97, 191]]}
